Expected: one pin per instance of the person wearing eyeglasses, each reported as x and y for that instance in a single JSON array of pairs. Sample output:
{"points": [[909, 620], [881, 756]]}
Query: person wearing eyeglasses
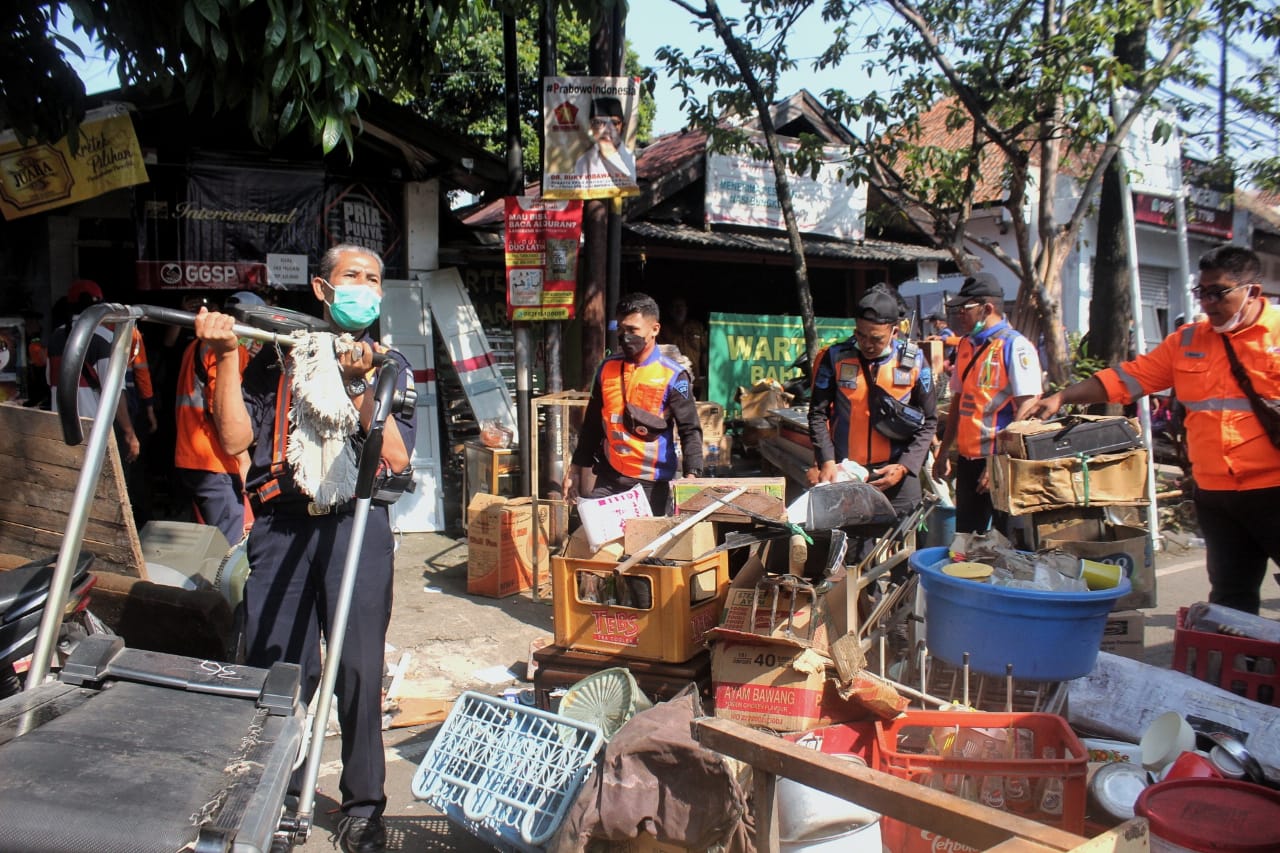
{"points": [[1232, 426], [608, 156], [997, 370]]}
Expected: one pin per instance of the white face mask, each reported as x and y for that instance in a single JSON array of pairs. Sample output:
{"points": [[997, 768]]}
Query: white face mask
{"points": [[1235, 320]]}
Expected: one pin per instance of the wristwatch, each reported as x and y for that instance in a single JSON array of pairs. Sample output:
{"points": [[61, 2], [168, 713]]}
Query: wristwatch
{"points": [[356, 387]]}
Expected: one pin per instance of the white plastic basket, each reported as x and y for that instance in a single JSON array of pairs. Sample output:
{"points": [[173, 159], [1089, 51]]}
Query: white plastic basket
{"points": [[507, 773]]}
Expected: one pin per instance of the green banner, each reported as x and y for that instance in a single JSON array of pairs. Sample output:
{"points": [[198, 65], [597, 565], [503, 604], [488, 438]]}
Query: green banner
{"points": [[747, 348]]}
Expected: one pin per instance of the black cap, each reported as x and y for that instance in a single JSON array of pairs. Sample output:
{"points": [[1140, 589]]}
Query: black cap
{"points": [[607, 107], [981, 285], [877, 306], [937, 316]]}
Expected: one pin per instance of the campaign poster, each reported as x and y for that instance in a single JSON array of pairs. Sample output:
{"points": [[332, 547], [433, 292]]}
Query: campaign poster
{"points": [[542, 241], [590, 131], [43, 176]]}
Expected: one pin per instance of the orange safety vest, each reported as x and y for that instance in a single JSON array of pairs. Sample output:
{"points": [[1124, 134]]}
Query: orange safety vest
{"points": [[1226, 442], [986, 396], [644, 386], [851, 431], [197, 446]]}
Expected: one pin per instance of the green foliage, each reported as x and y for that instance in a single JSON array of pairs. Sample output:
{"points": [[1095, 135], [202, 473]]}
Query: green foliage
{"points": [[275, 65], [1083, 365], [466, 93]]}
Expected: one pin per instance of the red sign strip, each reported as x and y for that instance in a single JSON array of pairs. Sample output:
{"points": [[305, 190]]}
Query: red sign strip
{"points": [[474, 363]]}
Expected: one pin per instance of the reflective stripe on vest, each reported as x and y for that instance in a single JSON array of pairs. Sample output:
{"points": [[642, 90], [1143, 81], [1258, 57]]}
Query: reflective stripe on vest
{"points": [[646, 387], [1133, 386], [851, 431], [984, 396]]}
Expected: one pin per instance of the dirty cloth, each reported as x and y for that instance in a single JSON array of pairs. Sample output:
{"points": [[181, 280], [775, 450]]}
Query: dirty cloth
{"points": [[322, 418], [654, 777]]}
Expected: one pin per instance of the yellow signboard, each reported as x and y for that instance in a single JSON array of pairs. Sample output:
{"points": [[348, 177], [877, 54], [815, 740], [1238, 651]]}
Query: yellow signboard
{"points": [[42, 176]]}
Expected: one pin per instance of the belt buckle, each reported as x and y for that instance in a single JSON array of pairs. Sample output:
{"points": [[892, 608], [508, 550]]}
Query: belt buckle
{"points": [[314, 508]]}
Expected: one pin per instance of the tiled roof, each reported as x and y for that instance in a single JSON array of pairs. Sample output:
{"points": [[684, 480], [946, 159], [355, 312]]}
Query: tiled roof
{"points": [[862, 250]]}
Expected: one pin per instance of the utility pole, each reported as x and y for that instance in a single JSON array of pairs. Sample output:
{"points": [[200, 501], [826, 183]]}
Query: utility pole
{"points": [[515, 186], [595, 230]]}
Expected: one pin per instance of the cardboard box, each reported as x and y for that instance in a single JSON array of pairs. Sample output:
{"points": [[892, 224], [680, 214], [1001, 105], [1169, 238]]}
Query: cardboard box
{"points": [[693, 543], [1128, 547], [711, 417], [659, 613], [578, 547], [780, 687], [1011, 441], [500, 537], [801, 621], [757, 400], [685, 490], [1124, 634], [1039, 526], [1020, 486]]}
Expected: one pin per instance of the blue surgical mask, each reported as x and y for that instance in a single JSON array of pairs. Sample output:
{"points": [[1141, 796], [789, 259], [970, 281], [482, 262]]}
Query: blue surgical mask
{"points": [[355, 307]]}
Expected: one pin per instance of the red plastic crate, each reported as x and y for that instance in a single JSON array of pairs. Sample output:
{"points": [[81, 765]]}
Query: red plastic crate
{"points": [[1051, 790], [1246, 667]]}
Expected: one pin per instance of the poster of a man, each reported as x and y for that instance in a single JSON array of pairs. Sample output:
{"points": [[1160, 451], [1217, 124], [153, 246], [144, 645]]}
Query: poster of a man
{"points": [[590, 133], [608, 154]]}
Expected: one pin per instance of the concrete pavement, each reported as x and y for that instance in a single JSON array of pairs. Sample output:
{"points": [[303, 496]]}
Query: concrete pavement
{"points": [[452, 637]]}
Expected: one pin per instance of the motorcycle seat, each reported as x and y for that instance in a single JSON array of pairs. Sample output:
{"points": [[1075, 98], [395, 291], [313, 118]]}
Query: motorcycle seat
{"points": [[26, 588]]}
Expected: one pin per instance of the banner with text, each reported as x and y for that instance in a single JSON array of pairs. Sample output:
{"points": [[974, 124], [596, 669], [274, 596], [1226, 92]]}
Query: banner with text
{"points": [[242, 226], [542, 240], [747, 348], [39, 177], [590, 131], [741, 190]]}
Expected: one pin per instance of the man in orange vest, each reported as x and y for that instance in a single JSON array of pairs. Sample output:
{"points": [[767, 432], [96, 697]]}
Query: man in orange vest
{"points": [[1232, 426], [639, 401], [996, 371], [213, 477], [873, 402]]}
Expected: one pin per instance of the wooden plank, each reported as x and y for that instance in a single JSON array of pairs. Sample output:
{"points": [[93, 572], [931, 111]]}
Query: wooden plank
{"points": [[1132, 836], [764, 795], [966, 822], [40, 473]]}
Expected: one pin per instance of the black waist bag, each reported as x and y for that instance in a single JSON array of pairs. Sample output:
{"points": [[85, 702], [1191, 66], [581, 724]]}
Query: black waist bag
{"points": [[643, 424], [893, 418]]}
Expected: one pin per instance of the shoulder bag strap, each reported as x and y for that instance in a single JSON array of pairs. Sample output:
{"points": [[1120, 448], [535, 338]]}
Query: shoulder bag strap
{"points": [[1242, 379]]}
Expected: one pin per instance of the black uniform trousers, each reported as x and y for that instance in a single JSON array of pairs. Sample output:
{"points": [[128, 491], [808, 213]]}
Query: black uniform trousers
{"points": [[1240, 534], [974, 511], [296, 563], [218, 498]]}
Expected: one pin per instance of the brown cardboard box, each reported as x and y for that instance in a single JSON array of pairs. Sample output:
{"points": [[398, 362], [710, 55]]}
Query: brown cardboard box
{"points": [[500, 545], [1041, 525], [1128, 547], [757, 400], [690, 545], [711, 417], [684, 490], [784, 688], [1124, 634], [1020, 486], [1010, 441], [790, 623]]}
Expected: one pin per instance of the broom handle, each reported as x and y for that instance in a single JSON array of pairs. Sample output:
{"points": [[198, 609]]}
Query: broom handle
{"points": [[677, 530]]}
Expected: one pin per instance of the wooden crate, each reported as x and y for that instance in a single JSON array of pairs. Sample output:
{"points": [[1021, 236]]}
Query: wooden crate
{"points": [[37, 485]]}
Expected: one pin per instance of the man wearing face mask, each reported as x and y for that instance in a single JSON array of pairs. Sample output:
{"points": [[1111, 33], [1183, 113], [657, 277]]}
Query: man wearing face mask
{"points": [[1231, 435], [639, 402], [873, 402], [996, 371], [297, 548]]}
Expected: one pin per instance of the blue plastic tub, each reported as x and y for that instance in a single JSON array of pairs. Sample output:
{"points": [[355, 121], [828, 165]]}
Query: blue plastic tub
{"points": [[1047, 636]]}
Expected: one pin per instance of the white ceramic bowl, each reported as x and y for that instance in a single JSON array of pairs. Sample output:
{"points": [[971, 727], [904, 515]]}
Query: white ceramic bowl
{"points": [[1165, 739]]}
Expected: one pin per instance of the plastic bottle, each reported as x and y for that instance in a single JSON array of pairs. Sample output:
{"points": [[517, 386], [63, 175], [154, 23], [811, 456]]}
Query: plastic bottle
{"points": [[712, 459]]}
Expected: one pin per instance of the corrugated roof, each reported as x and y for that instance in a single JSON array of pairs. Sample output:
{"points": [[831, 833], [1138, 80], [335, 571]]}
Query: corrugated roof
{"points": [[863, 250]]}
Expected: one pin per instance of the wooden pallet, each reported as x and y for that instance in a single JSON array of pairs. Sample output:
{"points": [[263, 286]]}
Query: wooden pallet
{"points": [[966, 822]]}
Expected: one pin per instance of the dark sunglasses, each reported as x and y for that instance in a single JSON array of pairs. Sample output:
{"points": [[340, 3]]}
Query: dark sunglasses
{"points": [[1212, 296]]}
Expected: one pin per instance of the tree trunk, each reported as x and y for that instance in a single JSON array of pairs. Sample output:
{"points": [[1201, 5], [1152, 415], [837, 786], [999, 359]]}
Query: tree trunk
{"points": [[595, 234], [1111, 307], [803, 294]]}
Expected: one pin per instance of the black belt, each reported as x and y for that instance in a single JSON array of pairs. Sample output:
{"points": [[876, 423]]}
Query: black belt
{"points": [[293, 507]]}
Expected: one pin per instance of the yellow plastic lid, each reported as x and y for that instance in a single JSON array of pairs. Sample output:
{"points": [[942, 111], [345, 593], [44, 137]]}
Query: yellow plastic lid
{"points": [[968, 570]]}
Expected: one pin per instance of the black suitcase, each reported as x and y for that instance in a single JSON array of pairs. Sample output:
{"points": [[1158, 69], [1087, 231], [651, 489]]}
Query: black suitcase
{"points": [[1090, 437], [134, 751]]}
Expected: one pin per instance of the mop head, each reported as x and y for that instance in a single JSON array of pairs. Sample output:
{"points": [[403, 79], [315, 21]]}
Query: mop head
{"points": [[322, 417]]}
